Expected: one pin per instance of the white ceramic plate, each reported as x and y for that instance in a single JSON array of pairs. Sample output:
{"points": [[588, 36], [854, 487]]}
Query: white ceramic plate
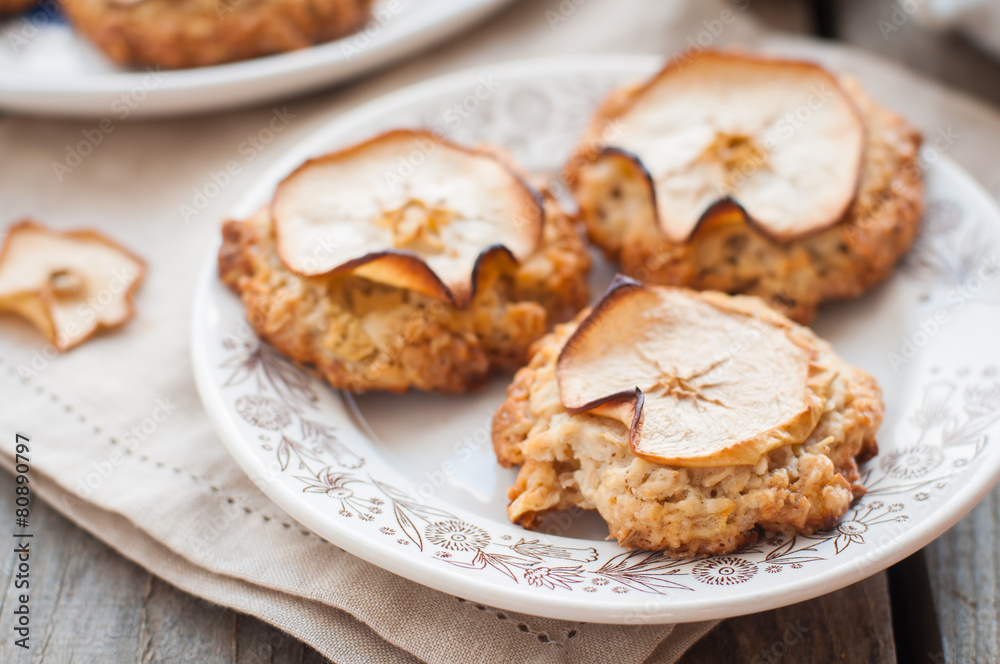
{"points": [[45, 68], [409, 482]]}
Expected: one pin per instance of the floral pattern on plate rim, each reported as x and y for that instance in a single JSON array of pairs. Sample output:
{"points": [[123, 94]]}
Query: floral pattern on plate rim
{"points": [[278, 399]]}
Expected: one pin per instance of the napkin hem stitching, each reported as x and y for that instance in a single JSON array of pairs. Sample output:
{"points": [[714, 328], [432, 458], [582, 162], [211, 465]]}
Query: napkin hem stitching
{"points": [[69, 408]]}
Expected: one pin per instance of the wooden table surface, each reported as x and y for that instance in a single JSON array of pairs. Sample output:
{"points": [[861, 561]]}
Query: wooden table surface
{"points": [[938, 606]]}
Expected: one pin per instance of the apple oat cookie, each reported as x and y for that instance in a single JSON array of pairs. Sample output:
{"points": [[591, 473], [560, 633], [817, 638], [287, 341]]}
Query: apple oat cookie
{"points": [[691, 421], [750, 175], [8, 7], [175, 34], [431, 283]]}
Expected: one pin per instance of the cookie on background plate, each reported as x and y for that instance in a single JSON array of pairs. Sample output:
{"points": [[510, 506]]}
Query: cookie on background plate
{"points": [[754, 175], [406, 262], [16, 6], [175, 34], [692, 422]]}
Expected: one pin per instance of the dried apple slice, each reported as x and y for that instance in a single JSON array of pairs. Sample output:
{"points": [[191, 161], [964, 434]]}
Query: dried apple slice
{"points": [[700, 379], [68, 284], [779, 138], [406, 208]]}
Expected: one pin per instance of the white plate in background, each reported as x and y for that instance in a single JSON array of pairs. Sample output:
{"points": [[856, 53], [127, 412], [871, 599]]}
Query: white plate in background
{"points": [[47, 69]]}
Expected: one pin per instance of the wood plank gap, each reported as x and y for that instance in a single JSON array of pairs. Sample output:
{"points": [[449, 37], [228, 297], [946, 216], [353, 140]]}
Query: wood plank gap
{"points": [[914, 618]]}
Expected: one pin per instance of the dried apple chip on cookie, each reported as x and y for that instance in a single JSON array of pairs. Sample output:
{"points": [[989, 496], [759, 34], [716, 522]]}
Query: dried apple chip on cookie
{"points": [[688, 395], [429, 277], [691, 421], [68, 284], [753, 175], [429, 231]]}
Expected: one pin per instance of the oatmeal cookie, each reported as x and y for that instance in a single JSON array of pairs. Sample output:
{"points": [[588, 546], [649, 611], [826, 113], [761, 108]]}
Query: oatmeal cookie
{"points": [[174, 34], [728, 250], [363, 335], [406, 261], [587, 458], [16, 6]]}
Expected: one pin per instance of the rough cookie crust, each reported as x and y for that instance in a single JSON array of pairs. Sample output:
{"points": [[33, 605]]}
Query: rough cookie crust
{"points": [[15, 6], [839, 262], [362, 335], [175, 34], [584, 461]]}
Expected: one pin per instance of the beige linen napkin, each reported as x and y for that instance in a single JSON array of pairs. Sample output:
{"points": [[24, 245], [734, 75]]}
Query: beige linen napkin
{"points": [[122, 411]]}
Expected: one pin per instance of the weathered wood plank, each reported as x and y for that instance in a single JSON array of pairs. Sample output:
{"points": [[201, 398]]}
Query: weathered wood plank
{"points": [[963, 564], [947, 57], [851, 625], [257, 643], [85, 600], [178, 628], [914, 620], [964, 569], [88, 604], [781, 15]]}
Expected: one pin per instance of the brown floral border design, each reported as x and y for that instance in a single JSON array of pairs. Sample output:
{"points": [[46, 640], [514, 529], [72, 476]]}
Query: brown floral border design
{"points": [[953, 419]]}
